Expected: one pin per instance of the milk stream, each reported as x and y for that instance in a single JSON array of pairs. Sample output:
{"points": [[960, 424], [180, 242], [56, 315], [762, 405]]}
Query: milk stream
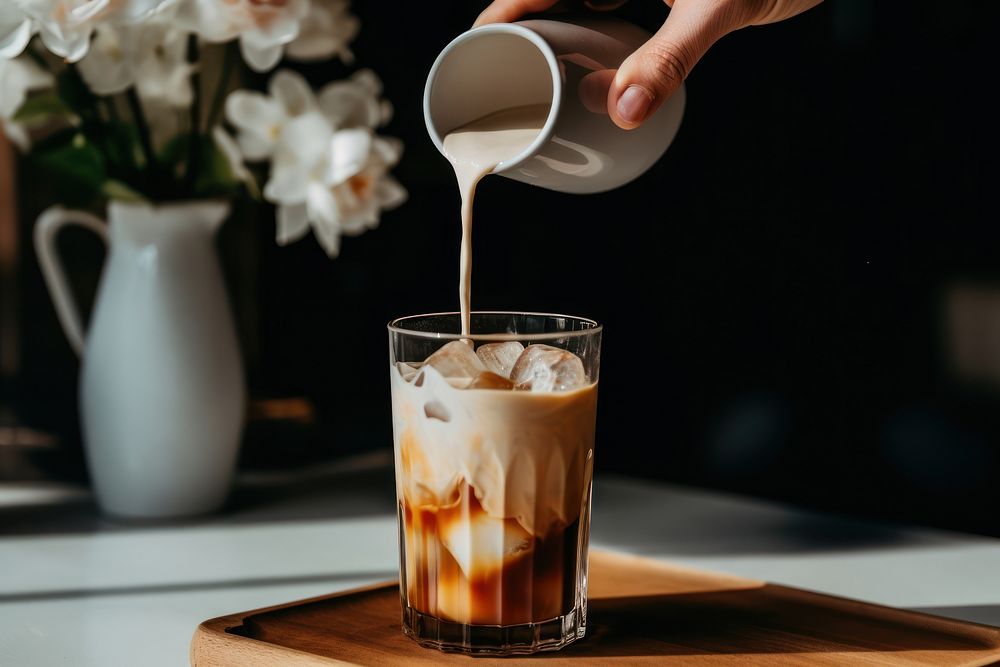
{"points": [[474, 151]]}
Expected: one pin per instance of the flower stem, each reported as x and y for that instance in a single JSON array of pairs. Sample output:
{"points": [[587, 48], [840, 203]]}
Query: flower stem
{"points": [[219, 98], [119, 151], [39, 59], [194, 145], [96, 128], [111, 109], [142, 127]]}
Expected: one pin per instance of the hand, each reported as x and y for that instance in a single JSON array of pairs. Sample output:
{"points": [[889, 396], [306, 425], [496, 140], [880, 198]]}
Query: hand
{"points": [[651, 75]]}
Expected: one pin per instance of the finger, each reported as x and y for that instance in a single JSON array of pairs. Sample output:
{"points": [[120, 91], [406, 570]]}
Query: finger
{"points": [[593, 90], [652, 74], [505, 11], [779, 11]]}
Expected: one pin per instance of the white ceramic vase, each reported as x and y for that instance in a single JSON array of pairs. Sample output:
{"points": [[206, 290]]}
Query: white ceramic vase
{"points": [[162, 391]]}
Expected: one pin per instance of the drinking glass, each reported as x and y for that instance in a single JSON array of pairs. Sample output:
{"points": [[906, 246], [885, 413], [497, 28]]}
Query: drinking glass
{"points": [[493, 483]]}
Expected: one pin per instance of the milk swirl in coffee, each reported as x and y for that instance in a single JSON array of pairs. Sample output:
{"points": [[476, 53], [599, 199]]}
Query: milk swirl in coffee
{"points": [[493, 446]]}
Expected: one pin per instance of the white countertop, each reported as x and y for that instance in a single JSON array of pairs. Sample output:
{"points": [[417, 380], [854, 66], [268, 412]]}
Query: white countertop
{"points": [[78, 590]]}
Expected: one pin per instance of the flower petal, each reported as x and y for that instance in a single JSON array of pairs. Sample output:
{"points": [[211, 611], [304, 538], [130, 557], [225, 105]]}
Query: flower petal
{"points": [[71, 45], [329, 239], [254, 112], [288, 185], [18, 77], [324, 214], [107, 67], [231, 151], [259, 119], [292, 223], [325, 32], [350, 152], [15, 33], [390, 194], [82, 12], [253, 147], [260, 58], [293, 92], [368, 80], [346, 105], [385, 112], [278, 21], [162, 71], [388, 150], [213, 21], [135, 11], [17, 134], [361, 218], [323, 206], [307, 141]]}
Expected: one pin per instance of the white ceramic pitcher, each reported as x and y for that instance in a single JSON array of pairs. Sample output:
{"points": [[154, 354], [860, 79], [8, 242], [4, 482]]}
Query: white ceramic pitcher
{"points": [[503, 65], [162, 386]]}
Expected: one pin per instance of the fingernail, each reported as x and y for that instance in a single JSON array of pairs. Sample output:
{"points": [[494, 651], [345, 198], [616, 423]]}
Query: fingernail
{"points": [[634, 103]]}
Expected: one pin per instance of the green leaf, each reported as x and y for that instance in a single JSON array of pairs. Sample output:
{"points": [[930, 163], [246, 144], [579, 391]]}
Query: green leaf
{"points": [[174, 152], [214, 176], [74, 168], [214, 168], [42, 109], [119, 143], [118, 191]]}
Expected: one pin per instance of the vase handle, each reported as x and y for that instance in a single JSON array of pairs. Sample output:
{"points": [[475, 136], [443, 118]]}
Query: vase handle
{"points": [[46, 229]]}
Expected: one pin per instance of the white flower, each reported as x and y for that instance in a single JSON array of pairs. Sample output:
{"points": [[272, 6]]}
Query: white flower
{"points": [[18, 77], [326, 32], [355, 102], [65, 26], [261, 118], [153, 57], [16, 29], [329, 170], [162, 72], [360, 200], [264, 27], [334, 181], [108, 68]]}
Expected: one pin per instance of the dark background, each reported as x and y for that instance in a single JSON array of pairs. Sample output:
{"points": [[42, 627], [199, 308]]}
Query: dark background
{"points": [[780, 292]]}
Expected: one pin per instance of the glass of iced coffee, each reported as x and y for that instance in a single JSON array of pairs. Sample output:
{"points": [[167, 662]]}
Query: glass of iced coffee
{"points": [[494, 446]]}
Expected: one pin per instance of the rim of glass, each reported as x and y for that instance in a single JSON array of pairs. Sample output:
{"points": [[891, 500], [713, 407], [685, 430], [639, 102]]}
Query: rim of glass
{"points": [[595, 327]]}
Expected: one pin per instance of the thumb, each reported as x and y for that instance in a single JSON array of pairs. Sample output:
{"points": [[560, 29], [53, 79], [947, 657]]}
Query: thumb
{"points": [[652, 74]]}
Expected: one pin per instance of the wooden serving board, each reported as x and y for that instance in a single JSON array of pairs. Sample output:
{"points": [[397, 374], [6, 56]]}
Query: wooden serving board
{"points": [[641, 612]]}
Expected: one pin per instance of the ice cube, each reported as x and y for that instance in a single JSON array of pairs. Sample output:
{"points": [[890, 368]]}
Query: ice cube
{"points": [[481, 544], [490, 380], [456, 360], [500, 357], [407, 371], [547, 368]]}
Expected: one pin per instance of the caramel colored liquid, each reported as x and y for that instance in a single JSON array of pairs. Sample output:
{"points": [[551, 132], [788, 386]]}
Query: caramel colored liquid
{"points": [[536, 583]]}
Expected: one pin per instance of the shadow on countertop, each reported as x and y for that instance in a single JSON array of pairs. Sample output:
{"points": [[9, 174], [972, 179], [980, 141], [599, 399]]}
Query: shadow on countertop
{"points": [[361, 486], [644, 517]]}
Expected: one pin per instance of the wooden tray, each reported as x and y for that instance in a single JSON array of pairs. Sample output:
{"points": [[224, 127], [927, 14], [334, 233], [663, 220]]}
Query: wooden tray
{"points": [[641, 612]]}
